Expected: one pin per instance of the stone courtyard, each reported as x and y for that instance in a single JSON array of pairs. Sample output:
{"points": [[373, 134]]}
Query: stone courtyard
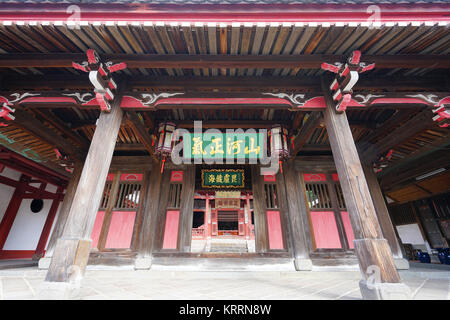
{"points": [[23, 283]]}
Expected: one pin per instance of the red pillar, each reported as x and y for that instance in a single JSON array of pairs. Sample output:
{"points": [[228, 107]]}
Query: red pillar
{"points": [[11, 211]]}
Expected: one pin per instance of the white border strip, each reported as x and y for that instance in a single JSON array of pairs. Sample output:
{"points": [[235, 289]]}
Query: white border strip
{"points": [[234, 24]]}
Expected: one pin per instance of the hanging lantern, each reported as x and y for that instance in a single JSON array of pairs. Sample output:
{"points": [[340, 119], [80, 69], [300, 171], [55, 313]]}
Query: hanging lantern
{"points": [[164, 145], [279, 143]]}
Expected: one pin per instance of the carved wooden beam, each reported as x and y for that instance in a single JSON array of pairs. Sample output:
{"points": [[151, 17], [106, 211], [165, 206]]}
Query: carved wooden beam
{"points": [[141, 131]]}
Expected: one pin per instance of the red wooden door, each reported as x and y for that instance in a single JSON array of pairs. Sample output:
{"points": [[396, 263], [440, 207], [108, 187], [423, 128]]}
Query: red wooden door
{"points": [[274, 229], [171, 229]]}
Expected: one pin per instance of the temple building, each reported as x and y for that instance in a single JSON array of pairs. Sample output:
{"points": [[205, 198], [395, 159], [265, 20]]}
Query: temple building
{"points": [[260, 135]]}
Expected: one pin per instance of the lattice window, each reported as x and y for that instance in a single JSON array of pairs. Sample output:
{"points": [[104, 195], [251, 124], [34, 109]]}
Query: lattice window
{"points": [[271, 195], [318, 196], [174, 195], [128, 195], [402, 214], [106, 195], [340, 196]]}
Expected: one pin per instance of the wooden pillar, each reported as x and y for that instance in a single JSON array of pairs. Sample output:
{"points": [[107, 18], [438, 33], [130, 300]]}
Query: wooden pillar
{"points": [[150, 220], [259, 210], [71, 252], [186, 209], [384, 218], [47, 227], [62, 216], [296, 208], [372, 250]]}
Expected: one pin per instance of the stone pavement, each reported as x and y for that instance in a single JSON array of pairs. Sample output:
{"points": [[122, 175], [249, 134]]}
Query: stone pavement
{"points": [[23, 283]]}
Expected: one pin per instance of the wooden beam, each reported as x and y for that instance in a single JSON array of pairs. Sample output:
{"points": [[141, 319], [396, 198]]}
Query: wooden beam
{"points": [[187, 61], [141, 131], [307, 129], [27, 122], [407, 130], [71, 252], [295, 199], [186, 210], [54, 121], [382, 211], [65, 207], [235, 124], [259, 209], [371, 249], [238, 83]]}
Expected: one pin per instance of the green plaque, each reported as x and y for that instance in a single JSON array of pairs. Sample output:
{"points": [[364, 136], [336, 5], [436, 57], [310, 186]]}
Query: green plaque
{"points": [[213, 178]]}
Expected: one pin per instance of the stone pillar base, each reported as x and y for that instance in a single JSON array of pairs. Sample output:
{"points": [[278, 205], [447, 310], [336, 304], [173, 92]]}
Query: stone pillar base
{"points": [[303, 264], [44, 263], [401, 264], [142, 263], [384, 291], [58, 291]]}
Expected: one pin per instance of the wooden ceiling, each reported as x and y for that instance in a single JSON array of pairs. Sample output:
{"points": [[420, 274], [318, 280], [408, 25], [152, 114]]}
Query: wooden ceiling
{"points": [[236, 40]]}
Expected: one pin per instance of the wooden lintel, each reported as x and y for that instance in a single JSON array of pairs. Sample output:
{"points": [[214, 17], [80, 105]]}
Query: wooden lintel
{"points": [[186, 61]]}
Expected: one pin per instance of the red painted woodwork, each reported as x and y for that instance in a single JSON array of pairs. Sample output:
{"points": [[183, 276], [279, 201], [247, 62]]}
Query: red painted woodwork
{"points": [[10, 214], [95, 235], [171, 229], [16, 254], [325, 230], [120, 230], [131, 177], [311, 177], [241, 223], [348, 228], [274, 230], [49, 100], [110, 177], [226, 12], [48, 225], [335, 177], [270, 178], [176, 176]]}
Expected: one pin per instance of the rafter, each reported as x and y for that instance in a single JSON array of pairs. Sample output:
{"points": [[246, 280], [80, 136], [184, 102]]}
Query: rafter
{"points": [[141, 131]]}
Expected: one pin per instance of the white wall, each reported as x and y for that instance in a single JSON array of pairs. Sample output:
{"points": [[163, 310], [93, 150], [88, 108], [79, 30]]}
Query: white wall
{"points": [[27, 227], [410, 233], [6, 192]]}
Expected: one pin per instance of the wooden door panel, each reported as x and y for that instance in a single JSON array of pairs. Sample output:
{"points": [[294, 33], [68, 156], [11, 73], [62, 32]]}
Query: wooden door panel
{"points": [[274, 230], [171, 229], [325, 230], [120, 230]]}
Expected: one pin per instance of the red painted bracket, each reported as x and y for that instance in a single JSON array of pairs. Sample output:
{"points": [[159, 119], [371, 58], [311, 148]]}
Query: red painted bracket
{"points": [[442, 116], [346, 77], [6, 113], [100, 77]]}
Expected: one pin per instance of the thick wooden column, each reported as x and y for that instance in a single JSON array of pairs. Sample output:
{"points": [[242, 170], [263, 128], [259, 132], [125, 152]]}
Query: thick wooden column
{"points": [[186, 209], [296, 208], [372, 250], [259, 210], [384, 218], [149, 221], [71, 252], [44, 262]]}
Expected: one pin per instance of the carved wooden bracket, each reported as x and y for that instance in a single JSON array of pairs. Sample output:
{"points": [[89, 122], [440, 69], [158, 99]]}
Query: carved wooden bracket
{"points": [[100, 77], [347, 74], [5, 113], [442, 116]]}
